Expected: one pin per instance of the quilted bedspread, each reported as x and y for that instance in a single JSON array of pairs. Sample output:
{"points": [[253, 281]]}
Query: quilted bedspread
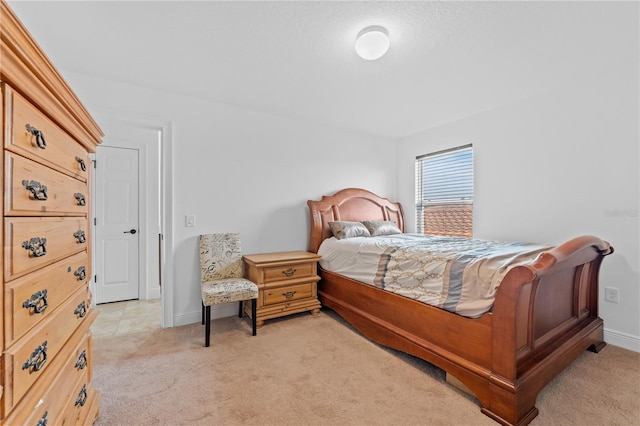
{"points": [[457, 274]]}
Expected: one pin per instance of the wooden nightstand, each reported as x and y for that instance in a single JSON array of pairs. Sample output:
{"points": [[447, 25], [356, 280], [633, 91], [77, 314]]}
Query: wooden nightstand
{"points": [[287, 283]]}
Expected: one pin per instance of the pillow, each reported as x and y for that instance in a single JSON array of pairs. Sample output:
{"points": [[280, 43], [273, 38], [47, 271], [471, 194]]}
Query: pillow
{"points": [[381, 227], [342, 230]]}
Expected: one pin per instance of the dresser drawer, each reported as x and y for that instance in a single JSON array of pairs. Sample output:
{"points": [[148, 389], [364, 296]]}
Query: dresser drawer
{"points": [[28, 358], [89, 412], [35, 296], [289, 293], [288, 272], [36, 189], [82, 400], [31, 243], [52, 395], [53, 147], [63, 409]]}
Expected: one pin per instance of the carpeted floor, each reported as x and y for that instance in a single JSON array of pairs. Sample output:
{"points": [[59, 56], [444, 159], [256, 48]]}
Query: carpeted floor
{"points": [[305, 370]]}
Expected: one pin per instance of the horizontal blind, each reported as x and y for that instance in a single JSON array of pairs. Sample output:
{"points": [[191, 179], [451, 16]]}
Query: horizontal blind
{"points": [[444, 192]]}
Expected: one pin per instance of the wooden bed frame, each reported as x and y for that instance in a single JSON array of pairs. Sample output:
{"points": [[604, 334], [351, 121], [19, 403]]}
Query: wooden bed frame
{"points": [[545, 314]]}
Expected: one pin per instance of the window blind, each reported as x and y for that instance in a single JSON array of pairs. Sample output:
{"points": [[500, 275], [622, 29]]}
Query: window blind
{"points": [[444, 192]]}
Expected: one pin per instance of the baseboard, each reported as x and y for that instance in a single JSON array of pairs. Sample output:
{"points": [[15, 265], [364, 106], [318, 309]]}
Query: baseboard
{"points": [[623, 340], [217, 311], [153, 293]]}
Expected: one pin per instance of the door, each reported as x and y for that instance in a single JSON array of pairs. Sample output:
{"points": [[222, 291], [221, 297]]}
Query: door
{"points": [[117, 224]]}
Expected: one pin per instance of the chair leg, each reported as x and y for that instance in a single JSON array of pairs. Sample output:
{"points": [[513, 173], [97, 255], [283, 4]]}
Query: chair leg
{"points": [[207, 326], [254, 304], [240, 311], [202, 313]]}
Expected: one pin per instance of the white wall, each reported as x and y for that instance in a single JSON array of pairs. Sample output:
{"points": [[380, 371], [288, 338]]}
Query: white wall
{"points": [[242, 171], [554, 166]]}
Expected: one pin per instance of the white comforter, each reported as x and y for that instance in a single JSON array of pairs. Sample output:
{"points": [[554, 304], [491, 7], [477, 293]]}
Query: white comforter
{"points": [[457, 274]]}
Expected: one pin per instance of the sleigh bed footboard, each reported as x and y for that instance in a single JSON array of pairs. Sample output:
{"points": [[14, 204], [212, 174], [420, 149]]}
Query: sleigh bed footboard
{"points": [[544, 317]]}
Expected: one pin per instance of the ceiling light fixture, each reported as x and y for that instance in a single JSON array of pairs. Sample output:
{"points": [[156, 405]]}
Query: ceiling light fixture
{"points": [[372, 42]]}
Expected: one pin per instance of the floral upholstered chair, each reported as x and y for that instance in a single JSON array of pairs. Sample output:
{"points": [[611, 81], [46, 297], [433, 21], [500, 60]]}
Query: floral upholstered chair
{"points": [[221, 277]]}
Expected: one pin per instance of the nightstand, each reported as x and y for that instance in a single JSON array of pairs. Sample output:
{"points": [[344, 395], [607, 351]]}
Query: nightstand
{"points": [[287, 283]]}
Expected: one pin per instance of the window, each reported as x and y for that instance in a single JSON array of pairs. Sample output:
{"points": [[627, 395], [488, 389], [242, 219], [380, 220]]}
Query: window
{"points": [[444, 192]]}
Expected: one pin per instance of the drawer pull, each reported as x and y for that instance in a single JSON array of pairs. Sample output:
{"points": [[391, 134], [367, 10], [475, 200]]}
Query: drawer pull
{"points": [[37, 359], [81, 310], [80, 236], [40, 142], [82, 397], [81, 363], [38, 190], [38, 302], [81, 273], [83, 166], [289, 294], [289, 272], [80, 199], [37, 246], [43, 420]]}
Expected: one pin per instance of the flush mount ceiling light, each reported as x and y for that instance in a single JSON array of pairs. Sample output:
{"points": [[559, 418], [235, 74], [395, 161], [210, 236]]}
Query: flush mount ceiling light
{"points": [[372, 43]]}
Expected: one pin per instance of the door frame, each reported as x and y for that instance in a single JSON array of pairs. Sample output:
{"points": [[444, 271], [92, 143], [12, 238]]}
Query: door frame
{"points": [[164, 258]]}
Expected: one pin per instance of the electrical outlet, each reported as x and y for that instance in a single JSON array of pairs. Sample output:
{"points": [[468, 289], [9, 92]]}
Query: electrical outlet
{"points": [[190, 221], [612, 294]]}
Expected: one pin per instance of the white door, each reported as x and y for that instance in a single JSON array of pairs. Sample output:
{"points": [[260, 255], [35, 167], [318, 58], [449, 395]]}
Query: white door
{"points": [[117, 227]]}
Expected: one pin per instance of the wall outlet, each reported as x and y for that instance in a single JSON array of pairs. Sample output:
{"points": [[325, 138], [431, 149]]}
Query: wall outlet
{"points": [[190, 221], [612, 294]]}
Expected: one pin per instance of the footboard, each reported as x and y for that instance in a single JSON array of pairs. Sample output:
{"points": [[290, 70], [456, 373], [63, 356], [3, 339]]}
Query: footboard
{"points": [[545, 316]]}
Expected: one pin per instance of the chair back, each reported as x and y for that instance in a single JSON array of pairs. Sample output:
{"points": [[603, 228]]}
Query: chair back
{"points": [[220, 256]]}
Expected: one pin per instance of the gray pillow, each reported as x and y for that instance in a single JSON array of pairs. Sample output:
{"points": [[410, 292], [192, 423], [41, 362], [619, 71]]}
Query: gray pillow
{"points": [[381, 227], [342, 229]]}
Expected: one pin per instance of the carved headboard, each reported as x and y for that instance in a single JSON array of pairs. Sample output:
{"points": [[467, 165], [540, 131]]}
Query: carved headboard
{"points": [[353, 205]]}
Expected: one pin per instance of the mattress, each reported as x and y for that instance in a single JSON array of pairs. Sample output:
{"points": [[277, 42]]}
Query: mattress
{"points": [[459, 275]]}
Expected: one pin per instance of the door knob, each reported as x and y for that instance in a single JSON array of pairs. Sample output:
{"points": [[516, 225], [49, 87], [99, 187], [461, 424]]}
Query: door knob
{"points": [[133, 231]]}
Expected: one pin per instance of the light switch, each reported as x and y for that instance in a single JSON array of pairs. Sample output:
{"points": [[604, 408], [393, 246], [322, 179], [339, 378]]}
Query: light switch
{"points": [[190, 221]]}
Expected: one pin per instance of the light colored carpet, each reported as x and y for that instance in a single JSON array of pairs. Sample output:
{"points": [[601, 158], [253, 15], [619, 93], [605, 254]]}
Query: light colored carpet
{"points": [[305, 370]]}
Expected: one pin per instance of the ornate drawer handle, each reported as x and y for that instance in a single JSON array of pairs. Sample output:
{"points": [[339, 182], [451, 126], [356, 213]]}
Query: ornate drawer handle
{"points": [[43, 420], [82, 397], [38, 302], [40, 142], [38, 190], [81, 363], [81, 273], [80, 236], [83, 166], [37, 246], [289, 272], [80, 199], [81, 310], [289, 294], [37, 359]]}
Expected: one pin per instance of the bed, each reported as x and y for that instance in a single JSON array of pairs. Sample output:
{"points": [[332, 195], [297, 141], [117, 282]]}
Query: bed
{"points": [[545, 314]]}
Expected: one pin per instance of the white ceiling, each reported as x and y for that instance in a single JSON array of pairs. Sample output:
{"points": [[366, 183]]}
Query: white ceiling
{"points": [[447, 60]]}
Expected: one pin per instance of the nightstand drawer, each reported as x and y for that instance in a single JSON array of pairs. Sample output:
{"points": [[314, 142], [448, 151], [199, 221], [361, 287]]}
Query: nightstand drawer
{"points": [[288, 272], [288, 293]]}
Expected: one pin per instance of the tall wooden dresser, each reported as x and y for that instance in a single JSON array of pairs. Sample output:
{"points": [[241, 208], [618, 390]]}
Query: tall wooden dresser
{"points": [[46, 364]]}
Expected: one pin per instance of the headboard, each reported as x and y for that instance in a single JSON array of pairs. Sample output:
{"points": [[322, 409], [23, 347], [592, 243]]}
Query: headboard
{"points": [[351, 204]]}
